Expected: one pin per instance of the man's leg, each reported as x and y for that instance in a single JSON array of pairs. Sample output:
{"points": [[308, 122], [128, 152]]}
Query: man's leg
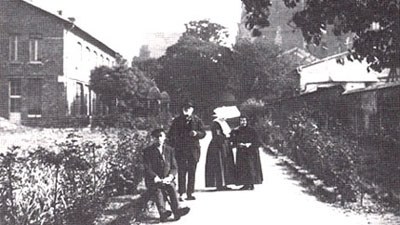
{"points": [[191, 179], [182, 171], [170, 191], [160, 201]]}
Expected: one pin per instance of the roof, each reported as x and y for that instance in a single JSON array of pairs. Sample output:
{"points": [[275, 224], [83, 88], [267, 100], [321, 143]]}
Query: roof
{"points": [[302, 54], [337, 69], [373, 87], [71, 23]]}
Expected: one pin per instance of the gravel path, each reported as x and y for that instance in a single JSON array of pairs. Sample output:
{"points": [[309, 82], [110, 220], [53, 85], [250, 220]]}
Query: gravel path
{"points": [[279, 200]]}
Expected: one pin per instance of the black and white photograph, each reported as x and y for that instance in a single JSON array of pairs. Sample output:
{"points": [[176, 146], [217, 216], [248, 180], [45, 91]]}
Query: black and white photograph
{"points": [[139, 112]]}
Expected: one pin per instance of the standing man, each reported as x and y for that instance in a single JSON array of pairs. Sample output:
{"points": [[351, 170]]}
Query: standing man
{"points": [[160, 170], [185, 132]]}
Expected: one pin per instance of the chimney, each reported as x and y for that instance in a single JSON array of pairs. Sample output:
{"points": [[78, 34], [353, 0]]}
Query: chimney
{"points": [[71, 19], [60, 12]]}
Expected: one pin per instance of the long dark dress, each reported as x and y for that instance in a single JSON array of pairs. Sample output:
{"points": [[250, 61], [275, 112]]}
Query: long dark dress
{"points": [[220, 167], [248, 164]]}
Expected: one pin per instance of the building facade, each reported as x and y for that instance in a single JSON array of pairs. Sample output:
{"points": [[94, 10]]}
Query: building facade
{"points": [[45, 64]]}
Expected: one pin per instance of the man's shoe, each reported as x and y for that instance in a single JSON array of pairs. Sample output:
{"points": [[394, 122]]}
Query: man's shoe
{"points": [[181, 212], [247, 187], [164, 216], [223, 188], [180, 198], [190, 197]]}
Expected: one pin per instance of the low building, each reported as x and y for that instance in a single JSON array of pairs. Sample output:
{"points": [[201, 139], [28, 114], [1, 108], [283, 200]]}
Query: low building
{"points": [[45, 64], [338, 70]]}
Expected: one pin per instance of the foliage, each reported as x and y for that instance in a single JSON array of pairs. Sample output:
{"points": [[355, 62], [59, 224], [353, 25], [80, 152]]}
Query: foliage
{"points": [[121, 88], [195, 69], [257, 14], [69, 184], [127, 120], [375, 23], [207, 31], [261, 72], [253, 109], [151, 67], [332, 158], [125, 163]]}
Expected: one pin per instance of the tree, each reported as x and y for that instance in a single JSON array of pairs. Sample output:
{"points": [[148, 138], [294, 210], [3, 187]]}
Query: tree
{"points": [[121, 88], [375, 23], [261, 72], [207, 31], [195, 69]]}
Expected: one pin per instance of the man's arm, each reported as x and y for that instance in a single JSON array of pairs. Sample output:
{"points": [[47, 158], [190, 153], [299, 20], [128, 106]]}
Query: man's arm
{"points": [[173, 168], [200, 132]]}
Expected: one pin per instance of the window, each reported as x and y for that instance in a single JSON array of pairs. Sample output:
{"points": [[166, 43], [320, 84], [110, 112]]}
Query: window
{"points": [[34, 48], [79, 104], [102, 60], [13, 48], [88, 60], [15, 95], [108, 62], [80, 52], [95, 58], [79, 56], [34, 98]]}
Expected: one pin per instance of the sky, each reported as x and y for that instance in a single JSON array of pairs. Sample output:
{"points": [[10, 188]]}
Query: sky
{"points": [[124, 25]]}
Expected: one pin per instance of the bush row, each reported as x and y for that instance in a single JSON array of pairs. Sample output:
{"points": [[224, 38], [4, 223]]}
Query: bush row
{"points": [[70, 183], [342, 159]]}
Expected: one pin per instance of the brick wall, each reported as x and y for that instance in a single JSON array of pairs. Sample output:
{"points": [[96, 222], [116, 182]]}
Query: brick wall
{"points": [[24, 21], [57, 68]]}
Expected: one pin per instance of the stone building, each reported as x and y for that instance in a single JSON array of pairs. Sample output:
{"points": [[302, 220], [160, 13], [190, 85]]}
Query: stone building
{"points": [[45, 64]]}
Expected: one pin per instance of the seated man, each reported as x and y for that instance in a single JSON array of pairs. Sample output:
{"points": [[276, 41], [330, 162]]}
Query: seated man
{"points": [[160, 172]]}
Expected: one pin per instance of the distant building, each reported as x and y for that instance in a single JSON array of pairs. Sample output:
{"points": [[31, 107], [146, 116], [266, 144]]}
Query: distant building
{"points": [[45, 64], [283, 33], [159, 42]]}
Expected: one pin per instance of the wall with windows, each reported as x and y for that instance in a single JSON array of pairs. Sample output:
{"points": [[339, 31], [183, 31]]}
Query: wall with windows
{"points": [[31, 50], [80, 58], [44, 66]]}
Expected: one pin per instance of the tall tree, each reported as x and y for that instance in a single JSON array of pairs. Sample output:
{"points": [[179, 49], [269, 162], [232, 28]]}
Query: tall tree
{"points": [[261, 72], [375, 23], [207, 31], [121, 88], [196, 69]]}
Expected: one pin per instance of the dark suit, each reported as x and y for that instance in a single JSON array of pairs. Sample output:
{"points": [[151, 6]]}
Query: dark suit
{"points": [[187, 149], [161, 165]]}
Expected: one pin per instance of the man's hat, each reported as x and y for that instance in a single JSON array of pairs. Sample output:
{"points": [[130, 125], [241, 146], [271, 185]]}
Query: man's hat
{"points": [[187, 104]]}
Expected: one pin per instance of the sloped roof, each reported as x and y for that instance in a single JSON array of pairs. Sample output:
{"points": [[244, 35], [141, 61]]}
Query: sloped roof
{"points": [[337, 69], [67, 21], [374, 87], [302, 55]]}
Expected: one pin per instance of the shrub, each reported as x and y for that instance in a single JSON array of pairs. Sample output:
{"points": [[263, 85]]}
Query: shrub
{"points": [[128, 120], [67, 184], [332, 158]]}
